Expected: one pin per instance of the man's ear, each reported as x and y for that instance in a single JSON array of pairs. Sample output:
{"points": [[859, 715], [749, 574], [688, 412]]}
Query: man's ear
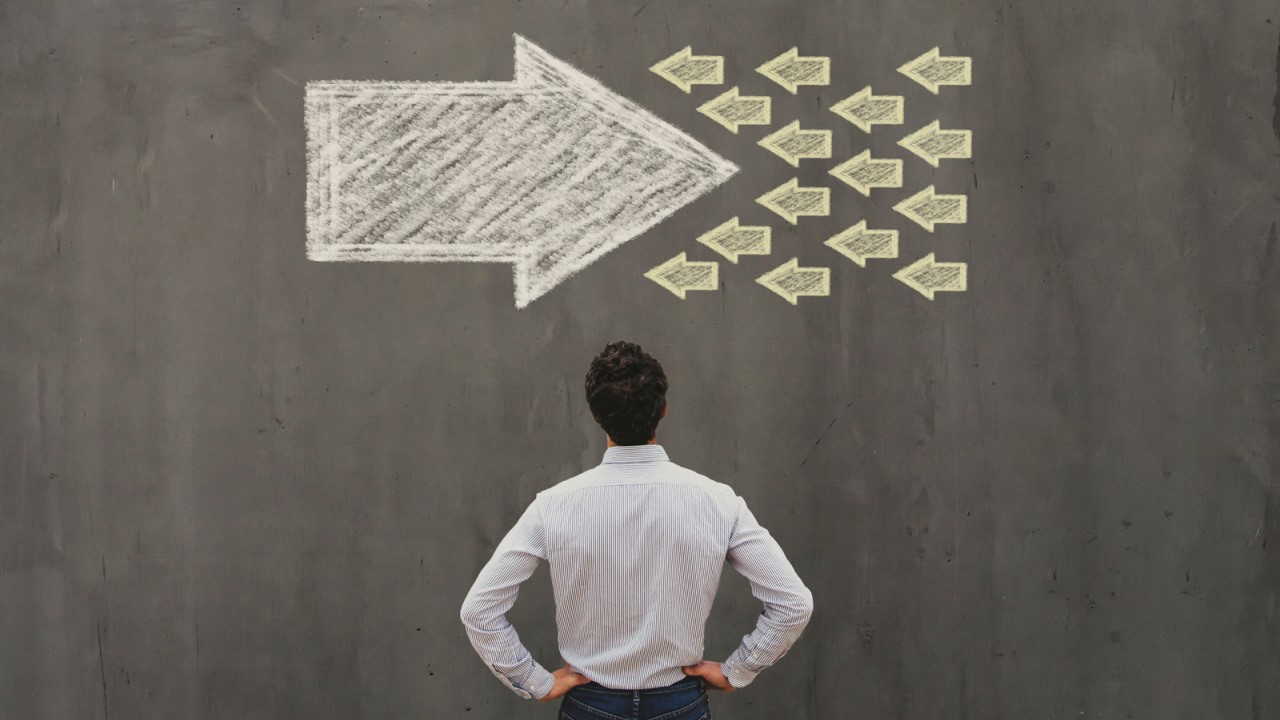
{"points": [[664, 408]]}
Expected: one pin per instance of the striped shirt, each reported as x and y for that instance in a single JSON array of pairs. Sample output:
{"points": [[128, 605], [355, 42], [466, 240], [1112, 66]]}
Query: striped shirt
{"points": [[636, 547]]}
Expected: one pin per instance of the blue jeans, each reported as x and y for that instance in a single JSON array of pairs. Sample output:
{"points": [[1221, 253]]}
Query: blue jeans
{"points": [[682, 700]]}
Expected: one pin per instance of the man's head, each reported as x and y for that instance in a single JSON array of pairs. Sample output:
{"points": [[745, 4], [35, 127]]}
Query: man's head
{"points": [[627, 393]]}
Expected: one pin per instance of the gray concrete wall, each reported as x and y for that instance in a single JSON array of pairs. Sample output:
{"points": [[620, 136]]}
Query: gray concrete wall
{"points": [[239, 484]]}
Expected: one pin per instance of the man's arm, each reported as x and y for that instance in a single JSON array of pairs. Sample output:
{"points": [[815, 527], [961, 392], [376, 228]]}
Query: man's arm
{"points": [[788, 604], [494, 592]]}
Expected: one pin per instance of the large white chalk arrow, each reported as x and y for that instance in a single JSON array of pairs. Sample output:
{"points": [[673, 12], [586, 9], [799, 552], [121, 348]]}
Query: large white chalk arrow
{"points": [[547, 172]]}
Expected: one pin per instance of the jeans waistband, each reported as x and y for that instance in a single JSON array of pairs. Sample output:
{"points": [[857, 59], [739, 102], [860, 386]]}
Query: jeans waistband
{"points": [[688, 682]]}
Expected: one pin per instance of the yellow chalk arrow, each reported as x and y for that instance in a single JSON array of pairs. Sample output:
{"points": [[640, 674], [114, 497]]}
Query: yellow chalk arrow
{"points": [[791, 281], [860, 244], [679, 275], [927, 277], [927, 208], [731, 110], [791, 201], [684, 69], [864, 109], [932, 70], [933, 143], [792, 144], [790, 70], [864, 172], [732, 240]]}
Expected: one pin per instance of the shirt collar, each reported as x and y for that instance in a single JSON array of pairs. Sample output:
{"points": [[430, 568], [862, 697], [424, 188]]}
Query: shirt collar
{"points": [[635, 453]]}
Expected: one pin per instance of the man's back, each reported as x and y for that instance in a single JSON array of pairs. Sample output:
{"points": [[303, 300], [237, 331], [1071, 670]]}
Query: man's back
{"points": [[636, 547]]}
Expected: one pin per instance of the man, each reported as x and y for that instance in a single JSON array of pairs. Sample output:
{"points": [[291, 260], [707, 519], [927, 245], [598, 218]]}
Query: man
{"points": [[636, 547]]}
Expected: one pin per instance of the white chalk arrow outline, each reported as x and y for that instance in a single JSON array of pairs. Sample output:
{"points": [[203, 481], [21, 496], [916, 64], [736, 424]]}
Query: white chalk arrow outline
{"points": [[548, 172]]}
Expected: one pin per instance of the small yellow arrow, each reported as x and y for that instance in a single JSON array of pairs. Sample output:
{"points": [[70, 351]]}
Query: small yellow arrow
{"points": [[927, 277], [684, 69], [933, 70], [791, 201], [933, 143], [793, 144], [864, 172], [731, 110], [860, 244], [732, 240], [679, 275], [791, 281], [790, 70], [927, 208], [864, 109]]}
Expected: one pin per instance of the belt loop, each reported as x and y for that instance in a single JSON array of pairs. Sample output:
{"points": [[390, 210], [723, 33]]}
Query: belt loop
{"points": [[635, 703]]}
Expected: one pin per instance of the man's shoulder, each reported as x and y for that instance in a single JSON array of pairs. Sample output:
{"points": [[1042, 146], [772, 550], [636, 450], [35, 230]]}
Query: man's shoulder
{"points": [[666, 471]]}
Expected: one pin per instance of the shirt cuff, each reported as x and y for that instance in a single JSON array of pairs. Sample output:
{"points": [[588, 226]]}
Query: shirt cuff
{"points": [[540, 682], [537, 687], [736, 676]]}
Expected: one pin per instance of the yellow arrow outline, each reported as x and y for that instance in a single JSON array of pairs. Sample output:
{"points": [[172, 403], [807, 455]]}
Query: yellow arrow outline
{"points": [[732, 95], [927, 262], [662, 69], [910, 69], [655, 274], [793, 55], [835, 243], [768, 142], [793, 265], [793, 185], [935, 128], [843, 109], [867, 159], [710, 239], [903, 208]]}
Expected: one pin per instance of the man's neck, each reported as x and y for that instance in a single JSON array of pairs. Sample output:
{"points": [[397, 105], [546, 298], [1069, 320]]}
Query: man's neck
{"points": [[608, 441]]}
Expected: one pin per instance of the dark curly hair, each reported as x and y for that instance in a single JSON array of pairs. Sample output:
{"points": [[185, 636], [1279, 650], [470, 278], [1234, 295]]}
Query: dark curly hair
{"points": [[627, 393]]}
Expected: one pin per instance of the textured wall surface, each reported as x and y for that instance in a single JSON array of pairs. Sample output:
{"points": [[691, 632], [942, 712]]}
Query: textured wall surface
{"points": [[235, 483]]}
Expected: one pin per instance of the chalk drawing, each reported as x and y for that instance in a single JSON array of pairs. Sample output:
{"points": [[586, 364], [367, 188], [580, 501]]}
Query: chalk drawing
{"points": [[684, 69], [548, 172], [860, 244], [865, 109], [680, 275], [793, 144], [864, 172], [731, 109], [933, 143], [927, 276], [933, 70], [791, 70], [928, 208], [791, 201], [731, 239], [791, 281]]}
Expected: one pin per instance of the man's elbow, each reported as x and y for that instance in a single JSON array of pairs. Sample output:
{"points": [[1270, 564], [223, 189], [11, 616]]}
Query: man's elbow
{"points": [[471, 614], [802, 608]]}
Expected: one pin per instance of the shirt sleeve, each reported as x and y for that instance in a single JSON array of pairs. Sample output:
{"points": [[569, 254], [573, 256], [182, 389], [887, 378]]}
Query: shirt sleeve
{"points": [[494, 593], [788, 604]]}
